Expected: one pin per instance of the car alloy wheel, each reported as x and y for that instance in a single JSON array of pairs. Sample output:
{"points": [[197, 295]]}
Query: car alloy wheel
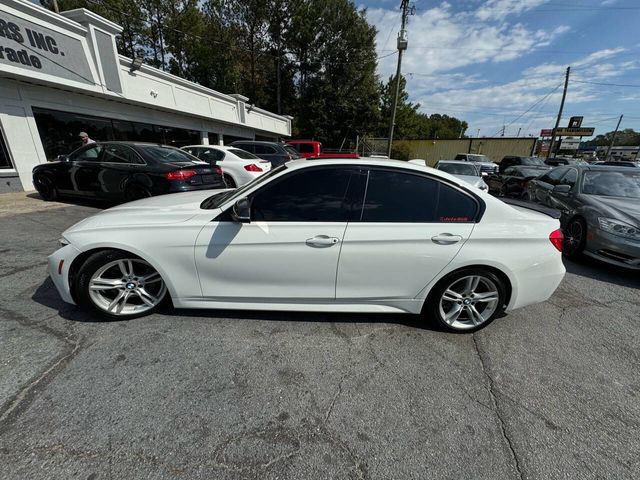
{"points": [[136, 192], [574, 238]]}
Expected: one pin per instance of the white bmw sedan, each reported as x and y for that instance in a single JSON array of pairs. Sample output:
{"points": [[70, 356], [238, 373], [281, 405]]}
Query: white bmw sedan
{"points": [[238, 166], [334, 235]]}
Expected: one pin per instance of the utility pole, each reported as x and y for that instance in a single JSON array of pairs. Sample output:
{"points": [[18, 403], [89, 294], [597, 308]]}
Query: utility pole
{"points": [[402, 46], [613, 138], [54, 4], [564, 95], [519, 130]]}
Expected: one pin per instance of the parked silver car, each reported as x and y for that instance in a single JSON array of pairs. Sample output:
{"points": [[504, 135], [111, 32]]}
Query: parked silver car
{"points": [[600, 208], [468, 172]]}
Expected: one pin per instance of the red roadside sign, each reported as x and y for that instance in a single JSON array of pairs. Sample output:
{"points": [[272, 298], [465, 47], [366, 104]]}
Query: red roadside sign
{"points": [[546, 132]]}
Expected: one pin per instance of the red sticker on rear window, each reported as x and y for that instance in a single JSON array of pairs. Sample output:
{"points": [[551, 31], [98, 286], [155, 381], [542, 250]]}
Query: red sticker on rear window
{"points": [[454, 219]]}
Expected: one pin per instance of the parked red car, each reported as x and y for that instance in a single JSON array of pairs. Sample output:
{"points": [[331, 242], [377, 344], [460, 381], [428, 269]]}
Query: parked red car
{"points": [[311, 148]]}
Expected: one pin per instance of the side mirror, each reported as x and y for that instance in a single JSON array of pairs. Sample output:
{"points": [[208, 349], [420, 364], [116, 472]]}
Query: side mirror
{"points": [[241, 212], [62, 158], [564, 189]]}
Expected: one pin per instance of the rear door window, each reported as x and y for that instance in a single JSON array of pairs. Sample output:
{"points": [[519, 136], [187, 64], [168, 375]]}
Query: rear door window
{"points": [[399, 197], [554, 176], [264, 150], [88, 154], [120, 154]]}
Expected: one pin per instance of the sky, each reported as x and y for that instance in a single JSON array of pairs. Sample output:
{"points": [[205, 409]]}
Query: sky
{"points": [[498, 63]]}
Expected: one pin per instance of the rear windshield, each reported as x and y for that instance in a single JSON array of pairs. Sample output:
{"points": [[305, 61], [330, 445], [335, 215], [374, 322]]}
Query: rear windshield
{"points": [[291, 151], [531, 172], [532, 161], [242, 154], [459, 169], [162, 153]]}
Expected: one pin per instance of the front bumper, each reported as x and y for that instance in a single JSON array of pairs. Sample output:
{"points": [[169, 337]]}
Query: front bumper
{"points": [[59, 264], [613, 249]]}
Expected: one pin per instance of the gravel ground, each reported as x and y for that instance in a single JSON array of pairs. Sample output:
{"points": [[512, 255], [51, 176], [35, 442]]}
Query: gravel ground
{"points": [[548, 391]]}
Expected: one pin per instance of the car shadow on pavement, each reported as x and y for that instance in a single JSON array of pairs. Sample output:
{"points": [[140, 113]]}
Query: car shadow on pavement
{"points": [[82, 202], [47, 295], [604, 272]]}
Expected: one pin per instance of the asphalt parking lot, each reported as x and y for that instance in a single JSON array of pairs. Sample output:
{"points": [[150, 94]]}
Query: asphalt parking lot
{"points": [[548, 391]]}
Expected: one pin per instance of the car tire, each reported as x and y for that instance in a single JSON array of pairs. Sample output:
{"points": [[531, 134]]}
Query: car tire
{"points": [[229, 181], [526, 196], [503, 191], [132, 287], [575, 238], [135, 191], [466, 300], [45, 187]]}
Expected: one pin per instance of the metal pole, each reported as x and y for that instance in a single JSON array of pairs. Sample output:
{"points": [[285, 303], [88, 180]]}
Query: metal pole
{"points": [[564, 95], [402, 45], [519, 130], [55, 6], [613, 138]]}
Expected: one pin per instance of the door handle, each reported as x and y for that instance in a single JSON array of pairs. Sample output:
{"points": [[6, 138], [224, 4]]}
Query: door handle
{"points": [[322, 241], [446, 239]]}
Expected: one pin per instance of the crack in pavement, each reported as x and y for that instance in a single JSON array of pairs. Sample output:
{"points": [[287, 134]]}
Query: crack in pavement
{"points": [[25, 396], [496, 407]]}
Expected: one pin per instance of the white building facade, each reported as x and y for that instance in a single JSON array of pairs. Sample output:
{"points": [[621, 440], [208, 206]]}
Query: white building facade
{"points": [[60, 74]]}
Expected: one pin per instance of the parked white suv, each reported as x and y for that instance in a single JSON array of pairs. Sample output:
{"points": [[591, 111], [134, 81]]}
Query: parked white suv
{"points": [[485, 164]]}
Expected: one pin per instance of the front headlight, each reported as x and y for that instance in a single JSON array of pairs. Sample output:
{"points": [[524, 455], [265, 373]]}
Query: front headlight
{"points": [[63, 242], [616, 227]]}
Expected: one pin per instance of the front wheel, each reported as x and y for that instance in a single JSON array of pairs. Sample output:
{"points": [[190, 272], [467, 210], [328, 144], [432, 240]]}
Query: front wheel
{"points": [[136, 192], [117, 285], [466, 300], [575, 238], [45, 187]]}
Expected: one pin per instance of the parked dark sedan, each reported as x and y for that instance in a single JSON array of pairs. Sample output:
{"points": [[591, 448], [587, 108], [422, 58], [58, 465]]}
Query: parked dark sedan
{"points": [[516, 161], [277, 153], [512, 182], [600, 210], [119, 171]]}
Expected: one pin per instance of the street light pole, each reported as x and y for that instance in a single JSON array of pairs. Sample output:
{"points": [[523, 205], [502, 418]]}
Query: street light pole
{"points": [[402, 46]]}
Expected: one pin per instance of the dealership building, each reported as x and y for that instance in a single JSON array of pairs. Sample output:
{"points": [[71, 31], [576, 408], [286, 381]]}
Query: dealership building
{"points": [[61, 74]]}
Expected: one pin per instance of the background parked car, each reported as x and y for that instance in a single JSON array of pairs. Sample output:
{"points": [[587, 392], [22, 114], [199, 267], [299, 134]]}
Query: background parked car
{"points": [[120, 171], [312, 148], [238, 166], [277, 153], [512, 182], [600, 208], [466, 171], [555, 161], [513, 160], [486, 165], [618, 163]]}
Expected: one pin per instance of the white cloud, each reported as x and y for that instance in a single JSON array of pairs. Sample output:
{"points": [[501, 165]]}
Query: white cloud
{"points": [[498, 9]]}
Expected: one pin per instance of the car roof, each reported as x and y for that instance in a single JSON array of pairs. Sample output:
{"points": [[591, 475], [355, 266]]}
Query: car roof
{"points": [[257, 142], [221, 147], [457, 162]]}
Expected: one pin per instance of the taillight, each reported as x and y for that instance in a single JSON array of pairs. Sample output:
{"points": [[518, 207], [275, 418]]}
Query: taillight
{"points": [[180, 174], [219, 171], [557, 238], [252, 168]]}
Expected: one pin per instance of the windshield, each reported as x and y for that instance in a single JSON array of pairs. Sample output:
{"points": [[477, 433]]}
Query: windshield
{"points": [[479, 158], [163, 153], [243, 154], [291, 151], [532, 161], [459, 169], [531, 172], [217, 200], [612, 184]]}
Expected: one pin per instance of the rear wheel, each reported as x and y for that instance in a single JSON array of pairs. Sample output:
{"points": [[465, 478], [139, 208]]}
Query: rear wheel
{"points": [[136, 191], [45, 187], [575, 238], [229, 182], [526, 196], [117, 285], [466, 300]]}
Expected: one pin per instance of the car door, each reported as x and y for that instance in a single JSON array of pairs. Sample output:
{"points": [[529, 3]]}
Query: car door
{"points": [[412, 225], [289, 251], [118, 164], [564, 201], [84, 169]]}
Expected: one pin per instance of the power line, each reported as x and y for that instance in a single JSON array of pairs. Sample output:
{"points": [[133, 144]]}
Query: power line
{"points": [[607, 84]]}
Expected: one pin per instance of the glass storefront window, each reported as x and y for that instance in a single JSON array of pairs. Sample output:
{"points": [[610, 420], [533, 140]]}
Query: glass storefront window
{"points": [[5, 161], [59, 131]]}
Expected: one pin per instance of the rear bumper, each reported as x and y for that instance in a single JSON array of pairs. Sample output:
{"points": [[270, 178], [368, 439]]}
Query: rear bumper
{"points": [[60, 276], [183, 187], [537, 283]]}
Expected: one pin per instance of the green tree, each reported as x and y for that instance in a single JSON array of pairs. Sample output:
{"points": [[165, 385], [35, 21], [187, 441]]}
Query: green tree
{"points": [[628, 136]]}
